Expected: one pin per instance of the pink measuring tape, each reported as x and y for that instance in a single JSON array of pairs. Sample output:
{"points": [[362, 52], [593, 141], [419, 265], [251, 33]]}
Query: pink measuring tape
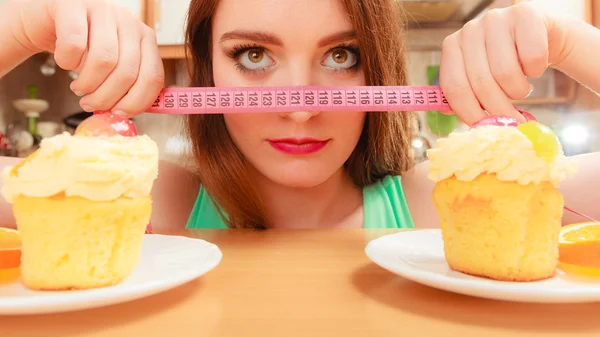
{"points": [[217, 100]]}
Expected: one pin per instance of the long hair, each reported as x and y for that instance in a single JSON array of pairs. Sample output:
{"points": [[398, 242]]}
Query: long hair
{"points": [[384, 145]]}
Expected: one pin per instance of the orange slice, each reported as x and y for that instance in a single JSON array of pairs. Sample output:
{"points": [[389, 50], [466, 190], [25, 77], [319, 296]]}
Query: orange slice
{"points": [[579, 249], [10, 254]]}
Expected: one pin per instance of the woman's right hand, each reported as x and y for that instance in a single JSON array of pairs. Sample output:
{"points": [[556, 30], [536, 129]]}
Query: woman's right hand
{"points": [[114, 53]]}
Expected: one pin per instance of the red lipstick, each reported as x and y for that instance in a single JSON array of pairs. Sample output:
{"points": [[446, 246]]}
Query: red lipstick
{"points": [[298, 145]]}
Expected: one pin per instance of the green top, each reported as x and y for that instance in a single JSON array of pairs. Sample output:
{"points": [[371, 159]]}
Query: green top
{"points": [[384, 207]]}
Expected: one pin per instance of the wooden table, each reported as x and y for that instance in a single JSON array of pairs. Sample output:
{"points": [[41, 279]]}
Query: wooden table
{"points": [[307, 283]]}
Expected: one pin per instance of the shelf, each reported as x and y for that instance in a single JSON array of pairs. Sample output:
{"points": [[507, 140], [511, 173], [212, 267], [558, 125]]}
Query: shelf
{"points": [[172, 52], [544, 100], [441, 14]]}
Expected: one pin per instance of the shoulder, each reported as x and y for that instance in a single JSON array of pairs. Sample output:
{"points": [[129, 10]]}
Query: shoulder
{"points": [[418, 189], [173, 195], [385, 204]]}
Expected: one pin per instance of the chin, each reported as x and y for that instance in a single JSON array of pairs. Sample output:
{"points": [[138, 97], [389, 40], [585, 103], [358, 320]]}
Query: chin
{"points": [[298, 177]]}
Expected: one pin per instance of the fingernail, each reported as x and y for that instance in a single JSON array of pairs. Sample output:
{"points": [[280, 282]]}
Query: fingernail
{"points": [[87, 108], [120, 113], [531, 87], [73, 87]]}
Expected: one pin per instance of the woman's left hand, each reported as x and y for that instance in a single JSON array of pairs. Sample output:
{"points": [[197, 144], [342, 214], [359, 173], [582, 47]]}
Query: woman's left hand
{"points": [[486, 63]]}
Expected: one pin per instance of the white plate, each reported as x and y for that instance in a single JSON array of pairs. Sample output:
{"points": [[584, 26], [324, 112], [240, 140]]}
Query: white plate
{"points": [[166, 262], [419, 256]]}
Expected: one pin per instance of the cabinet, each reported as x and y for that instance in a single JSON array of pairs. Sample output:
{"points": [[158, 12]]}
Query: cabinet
{"points": [[170, 18]]}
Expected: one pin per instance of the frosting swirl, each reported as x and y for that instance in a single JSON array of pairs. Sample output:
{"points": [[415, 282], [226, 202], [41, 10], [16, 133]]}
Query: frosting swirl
{"points": [[95, 168], [491, 149]]}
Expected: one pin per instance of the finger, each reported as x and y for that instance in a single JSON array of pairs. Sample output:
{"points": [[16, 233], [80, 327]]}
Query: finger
{"points": [[455, 84], [126, 72], [103, 50], [531, 37], [150, 81], [71, 27], [488, 92], [503, 57], [83, 59]]}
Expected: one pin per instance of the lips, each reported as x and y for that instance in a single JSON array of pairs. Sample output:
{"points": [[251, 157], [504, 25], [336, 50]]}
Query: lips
{"points": [[298, 146]]}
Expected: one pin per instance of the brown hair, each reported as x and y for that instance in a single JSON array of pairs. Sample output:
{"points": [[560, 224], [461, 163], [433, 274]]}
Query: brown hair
{"points": [[384, 146]]}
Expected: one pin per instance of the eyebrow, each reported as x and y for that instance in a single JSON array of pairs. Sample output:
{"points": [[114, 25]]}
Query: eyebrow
{"points": [[252, 35], [268, 38], [337, 37]]}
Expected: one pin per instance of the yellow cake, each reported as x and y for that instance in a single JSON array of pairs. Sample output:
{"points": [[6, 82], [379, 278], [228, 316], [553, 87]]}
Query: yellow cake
{"points": [[82, 205], [497, 199]]}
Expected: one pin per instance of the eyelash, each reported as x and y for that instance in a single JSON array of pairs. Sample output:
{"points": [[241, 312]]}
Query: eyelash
{"points": [[351, 47], [238, 50]]}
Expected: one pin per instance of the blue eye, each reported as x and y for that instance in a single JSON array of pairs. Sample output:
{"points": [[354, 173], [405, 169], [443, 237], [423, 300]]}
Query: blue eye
{"points": [[254, 59], [340, 58]]}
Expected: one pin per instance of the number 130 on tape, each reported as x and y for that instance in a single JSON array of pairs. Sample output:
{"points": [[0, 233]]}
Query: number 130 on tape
{"points": [[218, 100]]}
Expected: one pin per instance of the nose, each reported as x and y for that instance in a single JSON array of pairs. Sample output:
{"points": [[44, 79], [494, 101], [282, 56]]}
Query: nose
{"points": [[299, 116], [300, 73]]}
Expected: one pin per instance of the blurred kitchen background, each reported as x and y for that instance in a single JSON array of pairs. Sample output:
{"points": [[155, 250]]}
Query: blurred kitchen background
{"points": [[35, 100]]}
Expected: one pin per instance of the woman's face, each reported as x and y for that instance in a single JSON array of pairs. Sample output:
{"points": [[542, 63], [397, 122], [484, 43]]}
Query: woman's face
{"points": [[285, 43]]}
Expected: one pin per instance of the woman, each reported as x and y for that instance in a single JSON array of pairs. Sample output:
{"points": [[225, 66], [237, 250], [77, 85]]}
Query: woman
{"points": [[257, 168]]}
